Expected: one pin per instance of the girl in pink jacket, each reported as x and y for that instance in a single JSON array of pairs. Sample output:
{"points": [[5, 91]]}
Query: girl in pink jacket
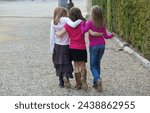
{"points": [[96, 44]]}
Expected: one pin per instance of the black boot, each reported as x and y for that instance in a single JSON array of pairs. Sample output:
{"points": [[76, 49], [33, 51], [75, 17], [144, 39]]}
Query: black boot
{"points": [[61, 81]]}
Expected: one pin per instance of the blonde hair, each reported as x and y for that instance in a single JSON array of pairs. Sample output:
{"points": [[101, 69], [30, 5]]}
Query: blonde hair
{"points": [[97, 16], [58, 13]]}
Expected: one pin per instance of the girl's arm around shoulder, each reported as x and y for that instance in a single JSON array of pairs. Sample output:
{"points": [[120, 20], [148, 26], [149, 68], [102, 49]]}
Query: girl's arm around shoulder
{"points": [[95, 34], [106, 34], [61, 33], [70, 22], [85, 26]]}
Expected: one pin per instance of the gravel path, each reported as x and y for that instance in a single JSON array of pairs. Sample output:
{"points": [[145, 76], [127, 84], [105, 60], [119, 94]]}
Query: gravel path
{"points": [[26, 68]]}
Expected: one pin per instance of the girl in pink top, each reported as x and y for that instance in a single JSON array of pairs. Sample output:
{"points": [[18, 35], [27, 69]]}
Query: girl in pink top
{"points": [[96, 44]]}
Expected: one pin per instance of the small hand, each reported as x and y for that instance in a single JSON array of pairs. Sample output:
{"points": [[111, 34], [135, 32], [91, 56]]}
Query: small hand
{"points": [[114, 35]]}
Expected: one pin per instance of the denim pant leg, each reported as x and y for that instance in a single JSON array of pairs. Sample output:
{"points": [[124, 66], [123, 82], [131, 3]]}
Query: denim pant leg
{"points": [[96, 54]]}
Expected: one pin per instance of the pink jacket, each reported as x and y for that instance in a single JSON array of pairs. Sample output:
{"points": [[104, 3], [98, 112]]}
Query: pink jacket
{"points": [[76, 37], [94, 41]]}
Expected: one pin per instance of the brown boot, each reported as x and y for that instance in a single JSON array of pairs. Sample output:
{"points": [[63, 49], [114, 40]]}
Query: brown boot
{"points": [[83, 79], [78, 81], [66, 82], [99, 86]]}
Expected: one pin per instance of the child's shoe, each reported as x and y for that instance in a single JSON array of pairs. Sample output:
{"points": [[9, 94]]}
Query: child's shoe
{"points": [[66, 82], [99, 86], [78, 81], [94, 86], [61, 86], [84, 79]]}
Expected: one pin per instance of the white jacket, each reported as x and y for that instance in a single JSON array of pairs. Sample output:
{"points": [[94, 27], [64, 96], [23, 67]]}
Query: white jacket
{"points": [[64, 40]]}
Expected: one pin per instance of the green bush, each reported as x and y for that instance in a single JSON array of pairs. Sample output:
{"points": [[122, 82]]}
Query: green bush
{"points": [[130, 19]]}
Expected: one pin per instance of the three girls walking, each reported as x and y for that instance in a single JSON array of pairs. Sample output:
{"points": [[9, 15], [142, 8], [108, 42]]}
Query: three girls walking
{"points": [[77, 48]]}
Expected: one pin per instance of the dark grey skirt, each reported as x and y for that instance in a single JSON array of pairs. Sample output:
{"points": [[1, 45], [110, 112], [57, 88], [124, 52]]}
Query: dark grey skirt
{"points": [[61, 61]]}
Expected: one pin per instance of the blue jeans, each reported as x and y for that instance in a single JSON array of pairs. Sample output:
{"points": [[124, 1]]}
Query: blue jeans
{"points": [[62, 3], [96, 53]]}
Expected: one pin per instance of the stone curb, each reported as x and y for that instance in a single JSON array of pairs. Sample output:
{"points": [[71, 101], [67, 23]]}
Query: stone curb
{"points": [[125, 48]]}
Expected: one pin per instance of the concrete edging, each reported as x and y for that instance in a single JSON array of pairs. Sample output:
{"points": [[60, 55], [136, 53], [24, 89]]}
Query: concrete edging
{"points": [[125, 48]]}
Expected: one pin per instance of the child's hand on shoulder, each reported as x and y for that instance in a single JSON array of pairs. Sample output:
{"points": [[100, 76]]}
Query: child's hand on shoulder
{"points": [[113, 34]]}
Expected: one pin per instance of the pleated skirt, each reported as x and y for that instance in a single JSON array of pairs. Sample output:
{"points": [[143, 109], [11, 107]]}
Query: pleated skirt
{"points": [[61, 61]]}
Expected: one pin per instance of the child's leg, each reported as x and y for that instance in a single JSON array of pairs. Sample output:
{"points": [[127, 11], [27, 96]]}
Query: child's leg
{"points": [[77, 76], [66, 82], [61, 81], [96, 54], [95, 63], [60, 75], [99, 81], [83, 76]]}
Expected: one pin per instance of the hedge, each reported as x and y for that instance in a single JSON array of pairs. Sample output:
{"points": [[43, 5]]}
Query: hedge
{"points": [[130, 19]]}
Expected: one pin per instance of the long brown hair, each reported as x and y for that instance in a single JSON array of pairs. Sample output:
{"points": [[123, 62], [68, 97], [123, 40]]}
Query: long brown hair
{"points": [[97, 16], [58, 13], [75, 14]]}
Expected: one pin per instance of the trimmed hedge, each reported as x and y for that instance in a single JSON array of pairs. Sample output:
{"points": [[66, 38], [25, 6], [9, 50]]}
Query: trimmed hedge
{"points": [[130, 19]]}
